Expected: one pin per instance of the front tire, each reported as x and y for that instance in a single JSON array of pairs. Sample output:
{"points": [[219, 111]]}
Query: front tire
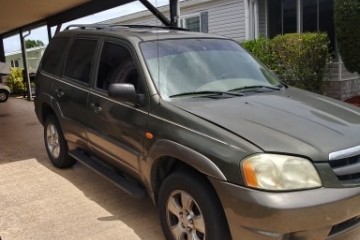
{"points": [[56, 145], [4, 95], [189, 209]]}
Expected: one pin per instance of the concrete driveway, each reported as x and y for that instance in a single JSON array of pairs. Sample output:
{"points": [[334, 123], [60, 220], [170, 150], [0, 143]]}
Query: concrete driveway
{"points": [[38, 201]]}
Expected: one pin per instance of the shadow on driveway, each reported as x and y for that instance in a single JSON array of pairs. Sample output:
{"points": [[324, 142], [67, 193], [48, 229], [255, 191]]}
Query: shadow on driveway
{"points": [[39, 201]]}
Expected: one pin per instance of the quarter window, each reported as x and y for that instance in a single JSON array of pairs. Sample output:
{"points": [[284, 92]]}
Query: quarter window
{"points": [[53, 58], [80, 60]]}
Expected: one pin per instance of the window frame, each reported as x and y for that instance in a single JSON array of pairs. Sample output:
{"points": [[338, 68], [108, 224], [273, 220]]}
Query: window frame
{"points": [[252, 19], [134, 55]]}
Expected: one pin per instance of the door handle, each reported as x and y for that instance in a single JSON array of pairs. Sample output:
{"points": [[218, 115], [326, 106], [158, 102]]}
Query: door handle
{"points": [[95, 107], [59, 93]]}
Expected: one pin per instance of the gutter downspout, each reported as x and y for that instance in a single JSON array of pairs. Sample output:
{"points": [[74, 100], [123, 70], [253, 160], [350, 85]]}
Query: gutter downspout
{"points": [[24, 56]]}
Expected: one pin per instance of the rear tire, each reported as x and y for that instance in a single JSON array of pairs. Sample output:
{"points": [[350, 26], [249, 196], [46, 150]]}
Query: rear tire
{"points": [[4, 95], [55, 144], [190, 209]]}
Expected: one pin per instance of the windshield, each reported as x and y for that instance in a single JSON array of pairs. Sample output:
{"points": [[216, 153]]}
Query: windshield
{"points": [[182, 66]]}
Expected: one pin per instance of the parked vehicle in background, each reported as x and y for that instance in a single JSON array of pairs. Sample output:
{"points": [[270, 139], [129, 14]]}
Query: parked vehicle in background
{"points": [[222, 147], [4, 93]]}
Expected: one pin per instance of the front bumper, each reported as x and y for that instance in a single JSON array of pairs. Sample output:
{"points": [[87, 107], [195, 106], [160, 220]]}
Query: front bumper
{"points": [[324, 213]]}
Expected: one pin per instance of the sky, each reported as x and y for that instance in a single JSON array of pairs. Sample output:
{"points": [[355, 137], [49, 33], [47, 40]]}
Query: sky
{"points": [[12, 44]]}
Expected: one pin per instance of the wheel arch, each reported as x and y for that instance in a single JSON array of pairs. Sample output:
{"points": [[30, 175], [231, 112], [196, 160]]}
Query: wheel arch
{"points": [[46, 110], [167, 156]]}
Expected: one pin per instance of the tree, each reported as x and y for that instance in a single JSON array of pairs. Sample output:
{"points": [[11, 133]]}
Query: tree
{"points": [[347, 22], [33, 43]]}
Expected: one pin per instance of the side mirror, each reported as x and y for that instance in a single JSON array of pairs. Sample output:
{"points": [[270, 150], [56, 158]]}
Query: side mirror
{"points": [[123, 91]]}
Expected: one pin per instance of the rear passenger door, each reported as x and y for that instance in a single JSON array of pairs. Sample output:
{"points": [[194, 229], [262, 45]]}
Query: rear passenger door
{"points": [[71, 91], [117, 130]]}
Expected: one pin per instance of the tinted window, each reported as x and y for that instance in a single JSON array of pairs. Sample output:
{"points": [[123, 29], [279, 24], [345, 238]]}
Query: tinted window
{"points": [[289, 17], [80, 60], [310, 16], [116, 66], [53, 60]]}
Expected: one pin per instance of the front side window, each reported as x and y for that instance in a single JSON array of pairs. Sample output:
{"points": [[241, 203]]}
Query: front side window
{"points": [[117, 66], [199, 65], [80, 60]]}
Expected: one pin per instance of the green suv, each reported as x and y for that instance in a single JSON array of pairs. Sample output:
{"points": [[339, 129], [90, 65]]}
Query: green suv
{"points": [[221, 146]]}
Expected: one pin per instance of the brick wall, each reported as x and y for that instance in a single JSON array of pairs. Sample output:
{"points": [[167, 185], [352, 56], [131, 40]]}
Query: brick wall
{"points": [[343, 84]]}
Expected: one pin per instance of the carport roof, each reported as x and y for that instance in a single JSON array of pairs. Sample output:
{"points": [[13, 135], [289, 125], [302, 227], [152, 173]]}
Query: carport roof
{"points": [[24, 14]]}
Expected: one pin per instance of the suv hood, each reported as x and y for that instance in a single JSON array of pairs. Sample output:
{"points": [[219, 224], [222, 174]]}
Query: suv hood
{"points": [[288, 121]]}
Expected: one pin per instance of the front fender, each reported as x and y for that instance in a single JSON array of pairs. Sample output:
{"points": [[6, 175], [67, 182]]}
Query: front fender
{"points": [[167, 148]]}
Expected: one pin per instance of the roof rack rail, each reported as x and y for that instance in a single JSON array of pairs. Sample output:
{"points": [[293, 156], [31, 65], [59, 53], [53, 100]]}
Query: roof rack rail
{"points": [[112, 26], [88, 26]]}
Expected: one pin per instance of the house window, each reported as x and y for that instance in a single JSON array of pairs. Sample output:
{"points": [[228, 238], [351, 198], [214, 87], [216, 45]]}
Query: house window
{"points": [[288, 16], [195, 22], [310, 15], [14, 63]]}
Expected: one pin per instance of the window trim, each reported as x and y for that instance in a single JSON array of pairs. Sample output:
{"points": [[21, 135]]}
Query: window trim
{"points": [[252, 21]]}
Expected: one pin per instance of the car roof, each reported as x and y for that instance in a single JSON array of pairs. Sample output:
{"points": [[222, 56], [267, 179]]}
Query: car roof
{"points": [[141, 32]]}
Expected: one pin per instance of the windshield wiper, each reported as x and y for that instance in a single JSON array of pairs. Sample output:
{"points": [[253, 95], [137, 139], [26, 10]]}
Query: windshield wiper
{"points": [[206, 93], [256, 88]]}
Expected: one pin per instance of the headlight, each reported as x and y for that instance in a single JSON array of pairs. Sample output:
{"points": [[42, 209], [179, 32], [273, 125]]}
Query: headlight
{"points": [[279, 172]]}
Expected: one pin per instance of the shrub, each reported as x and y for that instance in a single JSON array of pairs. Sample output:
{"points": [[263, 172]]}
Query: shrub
{"points": [[262, 49], [301, 60], [347, 22], [15, 81]]}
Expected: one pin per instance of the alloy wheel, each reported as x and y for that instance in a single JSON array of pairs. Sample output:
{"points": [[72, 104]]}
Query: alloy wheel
{"points": [[184, 217]]}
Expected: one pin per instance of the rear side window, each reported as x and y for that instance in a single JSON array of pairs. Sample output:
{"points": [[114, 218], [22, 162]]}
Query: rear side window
{"points": [[53, 60], [80, 60]]}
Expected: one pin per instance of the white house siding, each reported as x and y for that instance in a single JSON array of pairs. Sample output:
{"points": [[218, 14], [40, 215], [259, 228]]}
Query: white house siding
{"points": [[225, 17], [33, 56]]}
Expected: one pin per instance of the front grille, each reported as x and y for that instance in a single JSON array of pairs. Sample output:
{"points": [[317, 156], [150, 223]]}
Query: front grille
{"points": [[344, 226], [347, 169]]}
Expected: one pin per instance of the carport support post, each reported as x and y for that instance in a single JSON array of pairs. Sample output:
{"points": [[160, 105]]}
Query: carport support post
{"points": [[2, 51], [48, 27], [174, 13], [156, 12], [24, 57]]}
